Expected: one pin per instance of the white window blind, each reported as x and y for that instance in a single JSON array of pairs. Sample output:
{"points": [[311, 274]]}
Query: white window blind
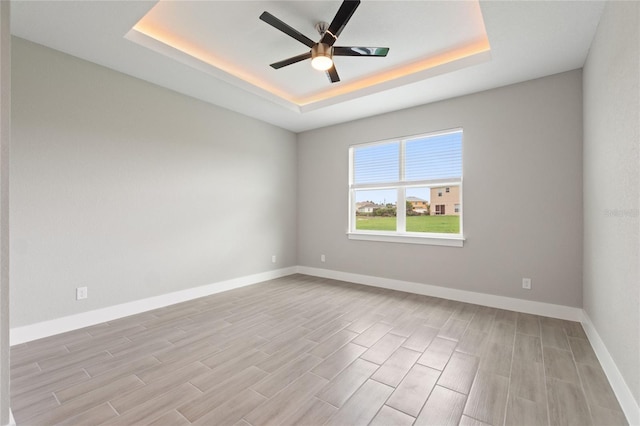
{"points": [[434, 157], [430, 158], [377, 163]]}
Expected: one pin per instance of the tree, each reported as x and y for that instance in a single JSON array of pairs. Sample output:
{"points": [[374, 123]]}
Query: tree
{"points": [[410, 211], [385, 212]]}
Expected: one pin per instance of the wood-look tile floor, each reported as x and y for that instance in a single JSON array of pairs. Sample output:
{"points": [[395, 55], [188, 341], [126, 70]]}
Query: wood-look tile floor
{"points": [[301, 350]]}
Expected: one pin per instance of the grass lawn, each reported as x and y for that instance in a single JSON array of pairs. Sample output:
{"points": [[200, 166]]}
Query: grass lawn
{"points": [[439, 224]]}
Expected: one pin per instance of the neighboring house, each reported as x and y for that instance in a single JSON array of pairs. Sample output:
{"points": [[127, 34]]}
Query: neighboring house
{"points": [[366, 207], [445, 200], [419, 205]]}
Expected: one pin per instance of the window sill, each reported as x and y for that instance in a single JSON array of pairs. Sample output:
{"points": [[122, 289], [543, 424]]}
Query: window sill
{"points": [[431, 239]]}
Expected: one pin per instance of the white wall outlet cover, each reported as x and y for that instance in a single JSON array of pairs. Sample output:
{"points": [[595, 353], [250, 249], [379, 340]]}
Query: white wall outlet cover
{"points": [[81, 293]]}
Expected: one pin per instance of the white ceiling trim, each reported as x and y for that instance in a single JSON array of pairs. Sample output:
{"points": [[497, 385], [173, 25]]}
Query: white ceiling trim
{"points": [[202, 61], [204, 65], [436, 67]]}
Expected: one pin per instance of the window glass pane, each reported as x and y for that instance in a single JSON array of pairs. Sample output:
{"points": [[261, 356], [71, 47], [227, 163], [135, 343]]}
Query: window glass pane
{"points": [[431, 208], [376, 209], [376, 163], [434, 157], [442, 214]]}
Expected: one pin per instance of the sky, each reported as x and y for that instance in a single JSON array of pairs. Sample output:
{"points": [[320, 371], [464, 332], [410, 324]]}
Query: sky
{"points": [[427, 157]]}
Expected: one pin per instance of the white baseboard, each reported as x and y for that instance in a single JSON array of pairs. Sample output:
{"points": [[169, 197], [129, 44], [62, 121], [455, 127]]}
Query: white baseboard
{"points": [[72, 322], [616, 380], [12, 421], [491, 300], [39, 330]]}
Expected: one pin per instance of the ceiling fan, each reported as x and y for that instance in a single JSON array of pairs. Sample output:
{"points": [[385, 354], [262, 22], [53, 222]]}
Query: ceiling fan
{"points": [[323, 51]]}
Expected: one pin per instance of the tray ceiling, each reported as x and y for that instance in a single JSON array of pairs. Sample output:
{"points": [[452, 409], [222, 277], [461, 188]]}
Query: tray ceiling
{"points": [[219, 51], [227, 40]]}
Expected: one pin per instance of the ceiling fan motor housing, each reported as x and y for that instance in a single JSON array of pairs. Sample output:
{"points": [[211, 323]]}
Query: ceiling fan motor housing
{"points": [[321, 49]]}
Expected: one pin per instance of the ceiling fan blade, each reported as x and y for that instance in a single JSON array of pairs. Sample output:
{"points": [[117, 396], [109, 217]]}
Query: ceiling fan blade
{"points": [[333, 74], [339, 21], [292, 60], [286, 28], [360, 51]]}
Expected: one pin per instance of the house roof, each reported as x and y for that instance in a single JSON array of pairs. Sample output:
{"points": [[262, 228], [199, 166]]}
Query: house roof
{"points": [[416, 199]]}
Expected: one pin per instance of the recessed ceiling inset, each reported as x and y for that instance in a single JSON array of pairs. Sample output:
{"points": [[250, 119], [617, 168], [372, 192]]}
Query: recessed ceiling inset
{"points": [[226, 40]]}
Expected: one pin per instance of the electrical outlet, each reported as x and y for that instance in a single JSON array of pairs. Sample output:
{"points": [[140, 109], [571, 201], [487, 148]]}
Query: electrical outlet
{"points": [[273, 258], [526, 283], [322, 258], [81, 293]]}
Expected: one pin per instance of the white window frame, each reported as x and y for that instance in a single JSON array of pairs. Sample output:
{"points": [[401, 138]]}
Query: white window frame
{"points": [[401, 235]]}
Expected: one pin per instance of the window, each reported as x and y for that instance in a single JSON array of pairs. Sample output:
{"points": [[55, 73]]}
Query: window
{"points": [[393, 186]]}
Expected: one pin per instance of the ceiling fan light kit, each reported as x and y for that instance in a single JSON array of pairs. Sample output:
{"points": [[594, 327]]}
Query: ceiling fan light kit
{"points": [[322, 52], [322, 56]]}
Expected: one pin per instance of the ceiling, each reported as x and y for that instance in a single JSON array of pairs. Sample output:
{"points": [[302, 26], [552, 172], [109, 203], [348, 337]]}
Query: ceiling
{"points": [[219, 51]]}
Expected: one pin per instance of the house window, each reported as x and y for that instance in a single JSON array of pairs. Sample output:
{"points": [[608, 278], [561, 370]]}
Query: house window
{"points": [[393, 186]]}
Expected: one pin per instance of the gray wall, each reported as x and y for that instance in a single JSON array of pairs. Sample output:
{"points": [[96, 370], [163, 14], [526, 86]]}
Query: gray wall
{"points": [[134, 190], [522, 194], [611, 225], [5, 138]]}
